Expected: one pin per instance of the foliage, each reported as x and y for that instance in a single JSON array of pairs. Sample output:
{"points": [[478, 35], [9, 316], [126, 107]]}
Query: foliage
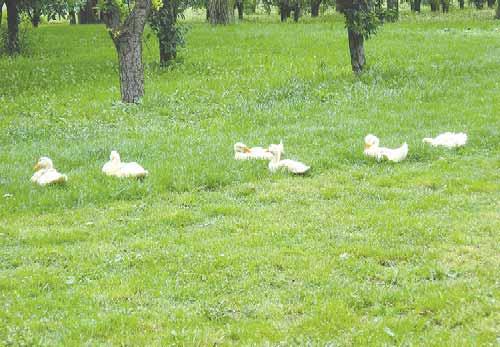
{"points": [[364, 17]]}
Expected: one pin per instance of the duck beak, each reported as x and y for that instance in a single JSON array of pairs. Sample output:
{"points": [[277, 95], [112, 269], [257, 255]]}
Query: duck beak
{"points": [[36, 167], [246, 150], [367, 145]]}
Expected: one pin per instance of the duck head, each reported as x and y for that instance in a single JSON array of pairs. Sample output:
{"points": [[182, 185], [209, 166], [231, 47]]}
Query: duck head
{"points": [[371, 141], [276, 149], [241, 148], [114, 157], [43, 163]]}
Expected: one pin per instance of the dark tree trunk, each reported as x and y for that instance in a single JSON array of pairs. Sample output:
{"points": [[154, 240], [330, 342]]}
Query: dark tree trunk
{"points": [[491, 3], [357, 50], [315, 8], [167, 33], [219, 11], [445, 6], [415, 5], [285, 10], [129, 48], [88, 14], [239, 6], [12, 27], [127, 38], [393, 10], [72, 17], [497, 16], [296, 12], [36, 15], [461, 3], [434, 5]]}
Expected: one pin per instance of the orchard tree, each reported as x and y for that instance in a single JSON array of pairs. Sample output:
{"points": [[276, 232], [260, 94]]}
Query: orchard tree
{"points": [[218, 12], [12, 44], [362, 19], [163, 21], [126, 27]]}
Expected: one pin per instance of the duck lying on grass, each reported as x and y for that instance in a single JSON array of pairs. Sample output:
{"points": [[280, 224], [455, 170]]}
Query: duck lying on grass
{"points": [[243, 152], [372, 149], [46, 174], [448, 140], [115, 167], [292, 166]]}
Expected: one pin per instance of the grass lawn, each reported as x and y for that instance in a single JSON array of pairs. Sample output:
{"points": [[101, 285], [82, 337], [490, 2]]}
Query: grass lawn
{"points": [[210, 251]]}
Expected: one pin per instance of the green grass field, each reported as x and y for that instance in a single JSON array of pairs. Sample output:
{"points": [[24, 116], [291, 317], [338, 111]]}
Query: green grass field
{"points": [[210, 251]]}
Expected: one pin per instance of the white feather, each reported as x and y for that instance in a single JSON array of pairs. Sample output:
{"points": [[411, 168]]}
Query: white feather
{"points": [[448, 140], [115, 167]]}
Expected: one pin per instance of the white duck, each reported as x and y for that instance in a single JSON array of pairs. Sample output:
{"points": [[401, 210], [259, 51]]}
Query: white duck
{"points": [[115, 167], [372, 149], [448, 140], [243, 152], [46, 174], [292, 166]]}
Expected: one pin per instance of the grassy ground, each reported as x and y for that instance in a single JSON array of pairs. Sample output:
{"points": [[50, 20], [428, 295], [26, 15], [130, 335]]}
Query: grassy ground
{"points": [[212, 251]]}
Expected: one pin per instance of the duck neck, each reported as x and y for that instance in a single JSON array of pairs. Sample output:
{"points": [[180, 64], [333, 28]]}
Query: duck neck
{"points": [[276, 157]]}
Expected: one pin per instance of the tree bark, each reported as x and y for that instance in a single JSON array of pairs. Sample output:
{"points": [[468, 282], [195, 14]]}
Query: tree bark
{"points": [[12, 27], [127, 38], [88, 13], [284, 8], [491, 3], [445, 6], [357, 50], [167, 33], [239, 7], [296, 12], [315, 4], [72, 17], [36, 15], [393, 9], [434, 5], [219, 11], [461, 3], [1, 10], [415, 5], [497, 16]]}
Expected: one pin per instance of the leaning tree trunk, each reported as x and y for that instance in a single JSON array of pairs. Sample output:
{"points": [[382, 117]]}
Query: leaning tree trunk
{"points": [[357, 50], [315, 8], [219, 11], [127, 38], [12, 27]]}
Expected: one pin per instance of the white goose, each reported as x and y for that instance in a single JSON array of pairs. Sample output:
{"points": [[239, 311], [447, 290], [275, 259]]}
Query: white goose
{"points": [[448, 140], [292, 166], [372, 149], [243, 152], [115, 167], [46, 174]]}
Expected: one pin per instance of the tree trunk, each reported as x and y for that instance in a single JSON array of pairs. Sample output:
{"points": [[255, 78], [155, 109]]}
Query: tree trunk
{"points": [[37, 14], [315, 8], [12, 27], [167, 33], [393, 10], [491, 3], [497, 16], [415, 5], [127, 38], [357, 50], [434, 5], [219, 11], [239, 6], [72, 17], [284, 10], [1, 10], [296, 12], [445, 6], [461, 3], [88, 13], [129, 48]]}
